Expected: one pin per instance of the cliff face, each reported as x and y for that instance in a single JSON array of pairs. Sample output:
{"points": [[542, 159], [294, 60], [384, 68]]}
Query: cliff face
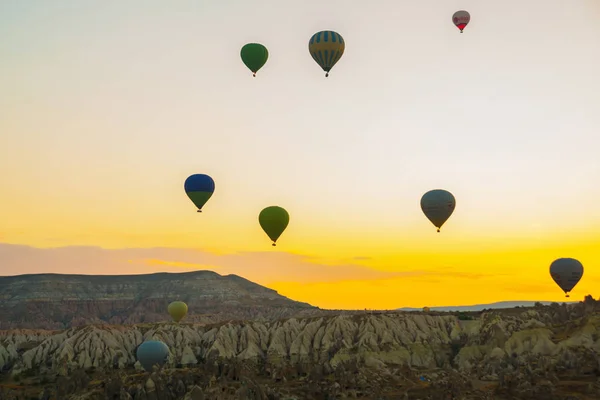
{"points": [[543, 352], [54, 301]]}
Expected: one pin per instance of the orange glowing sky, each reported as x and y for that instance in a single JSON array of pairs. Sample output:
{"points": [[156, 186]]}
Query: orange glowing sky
{"points": [[107, 107]]}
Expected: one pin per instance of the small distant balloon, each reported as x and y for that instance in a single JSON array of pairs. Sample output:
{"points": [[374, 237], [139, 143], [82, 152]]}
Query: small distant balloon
{"points": [[177, 310], [461, 19], [199, 188], [438, 205], [152, 353], [254, 56], [326, 48], [273, 221], [566, 272]]}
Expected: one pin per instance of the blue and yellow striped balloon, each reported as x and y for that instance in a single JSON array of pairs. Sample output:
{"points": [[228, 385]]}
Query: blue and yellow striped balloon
{"points": [[326, 48]]}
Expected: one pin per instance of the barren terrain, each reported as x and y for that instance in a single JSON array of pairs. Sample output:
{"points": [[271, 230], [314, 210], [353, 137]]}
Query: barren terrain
{"points": [[543, 352]]}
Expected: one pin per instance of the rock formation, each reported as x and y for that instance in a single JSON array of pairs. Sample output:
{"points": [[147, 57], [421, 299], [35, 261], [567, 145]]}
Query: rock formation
{"points": [[544, 352]]}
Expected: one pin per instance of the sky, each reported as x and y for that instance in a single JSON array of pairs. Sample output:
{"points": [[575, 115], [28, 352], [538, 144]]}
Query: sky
{"points": [[107, 106]]}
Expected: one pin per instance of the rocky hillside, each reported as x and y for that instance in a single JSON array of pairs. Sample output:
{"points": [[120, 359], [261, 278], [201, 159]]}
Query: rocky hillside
{"points": [[55, 301], [545, 352]]}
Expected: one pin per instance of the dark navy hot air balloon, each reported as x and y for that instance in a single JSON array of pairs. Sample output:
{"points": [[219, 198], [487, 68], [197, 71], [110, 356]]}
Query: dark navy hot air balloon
{"points": [[199, 188], [566, 272]]}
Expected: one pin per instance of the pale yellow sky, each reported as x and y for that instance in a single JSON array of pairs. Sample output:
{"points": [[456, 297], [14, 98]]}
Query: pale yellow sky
{"points": [[106, 108]]}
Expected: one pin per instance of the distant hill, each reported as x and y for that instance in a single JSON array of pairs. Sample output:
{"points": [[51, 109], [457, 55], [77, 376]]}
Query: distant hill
{"points": [[57, 301], [480, 307]]}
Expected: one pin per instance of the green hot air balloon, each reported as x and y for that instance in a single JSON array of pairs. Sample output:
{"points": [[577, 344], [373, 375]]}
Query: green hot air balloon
{"points": [[254, 55], [274, 220], [177, 310]]}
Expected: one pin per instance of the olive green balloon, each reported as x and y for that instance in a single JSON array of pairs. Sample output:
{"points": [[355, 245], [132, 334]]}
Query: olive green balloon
{"points": [[254, 55], [178, 310], [274, 220]]}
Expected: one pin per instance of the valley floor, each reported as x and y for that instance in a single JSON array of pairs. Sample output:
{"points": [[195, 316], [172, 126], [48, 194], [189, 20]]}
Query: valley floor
{"points": [[542, 353]]}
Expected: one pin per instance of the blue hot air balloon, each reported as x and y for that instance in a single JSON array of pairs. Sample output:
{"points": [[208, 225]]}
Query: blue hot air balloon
{"points": [[199, 188], [152, 353]]}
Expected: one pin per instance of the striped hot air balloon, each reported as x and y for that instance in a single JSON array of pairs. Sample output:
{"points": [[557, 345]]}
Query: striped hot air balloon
{"points": [[326, 48]]}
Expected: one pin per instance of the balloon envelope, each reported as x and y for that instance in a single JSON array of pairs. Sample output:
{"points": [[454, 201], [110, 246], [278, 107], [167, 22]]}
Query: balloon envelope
{"points": [[177, 310], [326, 48], [438, 205], [199, 188], [273, 221], [254, 56], [566, 272], [461, 19], [152, 353]]}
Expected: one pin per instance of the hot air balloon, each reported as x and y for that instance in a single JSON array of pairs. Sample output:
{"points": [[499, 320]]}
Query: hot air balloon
{"points": [[461, 19], [177, 310], [274, 220], [438, 205], [254, 55], [152, 353], [566, 272], [199, 188], [326, 48]]}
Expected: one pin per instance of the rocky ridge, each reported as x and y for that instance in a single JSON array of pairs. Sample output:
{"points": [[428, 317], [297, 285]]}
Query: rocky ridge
{"points": [[55, 301], [545, 352]]}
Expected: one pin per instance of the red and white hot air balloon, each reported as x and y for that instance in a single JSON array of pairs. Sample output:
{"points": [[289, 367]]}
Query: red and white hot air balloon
{"points": [[461, 19]]}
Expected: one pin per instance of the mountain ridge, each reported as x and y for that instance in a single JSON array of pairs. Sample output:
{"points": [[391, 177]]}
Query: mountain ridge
{"points": [[59, 301], [481, 307]]}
